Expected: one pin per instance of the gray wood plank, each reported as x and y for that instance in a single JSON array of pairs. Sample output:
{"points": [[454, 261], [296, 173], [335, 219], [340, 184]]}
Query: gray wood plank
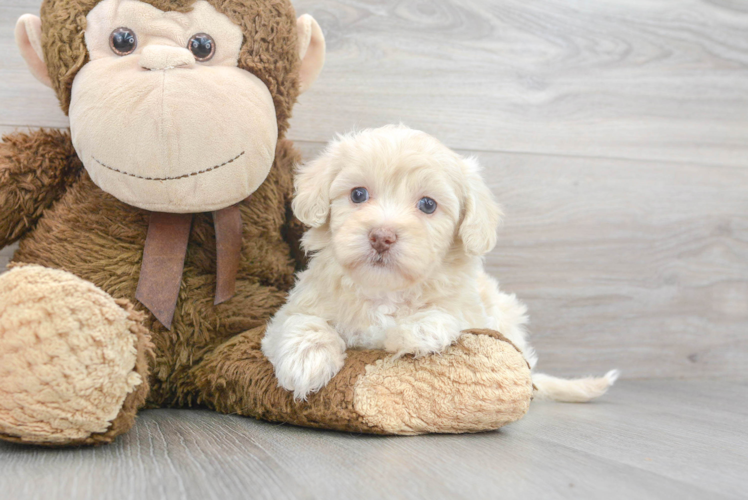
{"points": [[635, 79], [632, 79], [642, 440], [636, 265], [23, 100], [5, 255]]}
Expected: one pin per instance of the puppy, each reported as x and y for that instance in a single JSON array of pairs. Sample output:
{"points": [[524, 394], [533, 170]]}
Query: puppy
{"points": [[399, 224]]}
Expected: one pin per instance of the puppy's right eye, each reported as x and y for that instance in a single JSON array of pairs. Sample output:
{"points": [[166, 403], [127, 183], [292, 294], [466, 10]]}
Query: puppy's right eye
{"points": [[359, 195]]}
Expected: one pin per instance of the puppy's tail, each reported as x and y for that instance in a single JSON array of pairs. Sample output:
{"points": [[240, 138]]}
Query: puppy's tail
{"points": [[579, 390]]}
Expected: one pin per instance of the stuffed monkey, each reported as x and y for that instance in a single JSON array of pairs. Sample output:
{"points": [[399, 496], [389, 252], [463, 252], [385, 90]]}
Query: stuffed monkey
{"points": [[157, 239]]}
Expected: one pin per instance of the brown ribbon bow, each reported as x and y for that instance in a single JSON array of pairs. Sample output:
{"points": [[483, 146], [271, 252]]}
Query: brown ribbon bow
{"points": [[164, 253]]}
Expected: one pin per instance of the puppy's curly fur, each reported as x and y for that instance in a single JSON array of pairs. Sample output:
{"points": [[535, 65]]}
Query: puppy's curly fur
{"points": [[409, 293]]}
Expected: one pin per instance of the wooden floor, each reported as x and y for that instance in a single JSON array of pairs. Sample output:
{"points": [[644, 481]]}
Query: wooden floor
{"points": [[646, 439], [615, 134]]}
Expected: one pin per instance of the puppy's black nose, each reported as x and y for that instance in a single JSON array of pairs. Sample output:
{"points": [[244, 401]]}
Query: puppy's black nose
{"points": [[382, 239]]}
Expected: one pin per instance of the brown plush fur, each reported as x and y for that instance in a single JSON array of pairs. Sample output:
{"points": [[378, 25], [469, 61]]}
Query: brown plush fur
{"points": [[93, 235], [270, 49], [66, 222], [237, 378], [100, 239], [35, 169], [136, 399]]}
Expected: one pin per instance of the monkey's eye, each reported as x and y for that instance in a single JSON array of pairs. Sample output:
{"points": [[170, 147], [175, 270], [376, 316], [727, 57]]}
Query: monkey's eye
{"points": [[359, 195], [427, 205], [202, 47], [123, 41]]}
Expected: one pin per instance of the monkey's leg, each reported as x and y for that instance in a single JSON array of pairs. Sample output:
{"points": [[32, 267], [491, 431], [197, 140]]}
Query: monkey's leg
{"points": [[73, 361], [481, 383]]}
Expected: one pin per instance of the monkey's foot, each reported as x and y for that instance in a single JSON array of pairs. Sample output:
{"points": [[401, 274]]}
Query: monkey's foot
{"points": [[73, 367], [480, 383]]}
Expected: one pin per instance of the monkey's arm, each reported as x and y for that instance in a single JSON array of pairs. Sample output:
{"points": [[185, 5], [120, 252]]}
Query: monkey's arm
{"points": [[480, 383], [35, 168]]}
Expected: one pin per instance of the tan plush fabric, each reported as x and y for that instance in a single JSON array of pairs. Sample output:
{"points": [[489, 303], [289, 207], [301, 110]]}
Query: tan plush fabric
{"points": [[311, 43], [197, 138], [481, 383], [29, 42], [67, 357], [270, 51]]}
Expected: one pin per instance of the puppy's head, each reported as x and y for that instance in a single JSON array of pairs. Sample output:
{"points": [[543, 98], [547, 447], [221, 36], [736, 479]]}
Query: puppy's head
{"points": [[394, 204]]}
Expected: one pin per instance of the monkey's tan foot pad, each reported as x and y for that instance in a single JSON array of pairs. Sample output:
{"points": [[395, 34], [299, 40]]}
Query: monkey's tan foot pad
{"points": [[73, 365], [481, 383]]}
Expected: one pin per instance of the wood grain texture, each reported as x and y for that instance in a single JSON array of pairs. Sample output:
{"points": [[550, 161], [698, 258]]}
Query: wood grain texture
{"points": [[5, 255], [644, 440], [665, 79], [634, 79], [641, 266], [24, 101]]}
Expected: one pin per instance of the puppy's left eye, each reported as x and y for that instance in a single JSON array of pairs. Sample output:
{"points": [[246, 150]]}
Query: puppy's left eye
{"points": [[427, 205], [359, 195]]}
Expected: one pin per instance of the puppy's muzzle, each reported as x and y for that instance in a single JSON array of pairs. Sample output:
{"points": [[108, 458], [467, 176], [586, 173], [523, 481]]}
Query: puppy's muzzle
{"points": [[382, 239]]}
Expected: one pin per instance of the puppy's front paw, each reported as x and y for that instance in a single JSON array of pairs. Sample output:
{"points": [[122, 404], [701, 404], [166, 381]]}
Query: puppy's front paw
{"points": [[431, 333], [306, 353], [308, 368]]}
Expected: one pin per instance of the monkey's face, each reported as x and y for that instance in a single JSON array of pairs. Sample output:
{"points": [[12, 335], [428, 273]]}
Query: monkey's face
{"points": [[162, 117]]}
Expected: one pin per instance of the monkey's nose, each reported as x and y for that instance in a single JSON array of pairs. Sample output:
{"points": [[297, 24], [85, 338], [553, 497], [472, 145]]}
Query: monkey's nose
{"points": [[382, 239], [163, 57]]}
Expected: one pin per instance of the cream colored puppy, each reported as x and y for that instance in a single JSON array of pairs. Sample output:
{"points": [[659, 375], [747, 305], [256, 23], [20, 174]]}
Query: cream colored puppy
{"points": [[398, 225]]}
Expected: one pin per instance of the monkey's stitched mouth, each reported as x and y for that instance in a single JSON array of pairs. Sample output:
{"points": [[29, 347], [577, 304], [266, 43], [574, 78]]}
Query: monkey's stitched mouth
{"points": [[184, 176]]}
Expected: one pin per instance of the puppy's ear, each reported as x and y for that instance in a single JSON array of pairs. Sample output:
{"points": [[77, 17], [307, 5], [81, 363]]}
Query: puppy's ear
{"points": [[311, 203], [482, 214]]}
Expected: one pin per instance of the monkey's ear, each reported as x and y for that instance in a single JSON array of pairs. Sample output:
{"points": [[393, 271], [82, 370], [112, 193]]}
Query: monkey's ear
{"points": [[482, 212], [29, 41], [311, 50]]}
